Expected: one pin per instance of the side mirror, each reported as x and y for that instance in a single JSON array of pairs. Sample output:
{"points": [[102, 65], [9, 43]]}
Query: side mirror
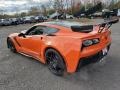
{"points": [[22, 35], [24, 31]]}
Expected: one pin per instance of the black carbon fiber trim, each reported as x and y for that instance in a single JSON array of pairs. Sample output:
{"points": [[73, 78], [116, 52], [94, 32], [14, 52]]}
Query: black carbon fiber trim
{"points": [[17, 41]]}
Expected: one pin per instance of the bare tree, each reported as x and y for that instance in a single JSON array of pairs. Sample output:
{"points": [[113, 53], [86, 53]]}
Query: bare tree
{"points": [[44, 10], [59, 5], [34, 11], [1, 11]]}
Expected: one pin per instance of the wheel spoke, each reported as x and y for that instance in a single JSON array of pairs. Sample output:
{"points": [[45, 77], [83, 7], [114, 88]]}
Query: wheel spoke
{"points": [[53, 61]]}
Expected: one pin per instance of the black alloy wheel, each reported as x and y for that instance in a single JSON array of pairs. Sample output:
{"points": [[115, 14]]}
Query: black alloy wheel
{"points": [[55, 62], [11, 45]]}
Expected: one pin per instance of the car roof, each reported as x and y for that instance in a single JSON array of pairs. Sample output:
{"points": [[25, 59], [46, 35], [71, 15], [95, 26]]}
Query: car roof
{"points": [[65, 23]]}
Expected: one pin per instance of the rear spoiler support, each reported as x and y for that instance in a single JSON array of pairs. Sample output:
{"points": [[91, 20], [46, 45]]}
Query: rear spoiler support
{"points": [[107, 25]]}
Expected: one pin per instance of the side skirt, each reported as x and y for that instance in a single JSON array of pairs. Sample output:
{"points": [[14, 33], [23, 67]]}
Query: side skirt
{"points": [[27, 55]]}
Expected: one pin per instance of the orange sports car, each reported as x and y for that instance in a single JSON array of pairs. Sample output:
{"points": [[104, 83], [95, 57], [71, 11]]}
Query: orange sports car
{"points": [[63, 45]]}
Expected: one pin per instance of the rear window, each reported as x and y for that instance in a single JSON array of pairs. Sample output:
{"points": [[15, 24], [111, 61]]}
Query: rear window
{"points": [[75, 26], [65, 23]]}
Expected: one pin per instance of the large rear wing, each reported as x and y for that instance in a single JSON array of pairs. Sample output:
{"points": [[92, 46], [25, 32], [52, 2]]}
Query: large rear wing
{"points": [[88, 28], [106, 25]]}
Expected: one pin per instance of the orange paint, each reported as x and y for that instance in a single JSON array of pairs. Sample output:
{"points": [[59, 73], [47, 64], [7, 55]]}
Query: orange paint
{"points": [[66, 42]]}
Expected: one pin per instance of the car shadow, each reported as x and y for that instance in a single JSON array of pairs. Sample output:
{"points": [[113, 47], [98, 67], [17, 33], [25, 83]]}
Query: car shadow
{"points": [[98, 73]]}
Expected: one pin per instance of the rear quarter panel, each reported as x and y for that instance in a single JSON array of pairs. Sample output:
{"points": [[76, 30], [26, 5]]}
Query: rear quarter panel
{"points": [[67, 46]]}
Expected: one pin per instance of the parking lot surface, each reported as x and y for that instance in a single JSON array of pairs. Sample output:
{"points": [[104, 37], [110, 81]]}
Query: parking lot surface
{"points": [[18, 72]]}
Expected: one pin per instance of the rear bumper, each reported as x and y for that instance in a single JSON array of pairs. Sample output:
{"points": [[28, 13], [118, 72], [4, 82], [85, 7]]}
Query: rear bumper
{"points": [[92, 59]]}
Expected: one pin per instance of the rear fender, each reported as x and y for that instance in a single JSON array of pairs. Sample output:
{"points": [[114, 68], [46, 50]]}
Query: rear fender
{"points": [[69, 50]]}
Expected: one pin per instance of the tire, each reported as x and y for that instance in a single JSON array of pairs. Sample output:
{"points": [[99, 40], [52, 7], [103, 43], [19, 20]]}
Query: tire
{"points": [[11, 45], [55, 62]]}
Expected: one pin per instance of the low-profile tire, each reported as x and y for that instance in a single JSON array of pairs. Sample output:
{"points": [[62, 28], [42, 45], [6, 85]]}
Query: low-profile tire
{"points": [[55, 62], [11, 45]]}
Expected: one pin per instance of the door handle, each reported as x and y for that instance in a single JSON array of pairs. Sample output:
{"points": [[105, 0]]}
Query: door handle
{"points": [[41, 38]]}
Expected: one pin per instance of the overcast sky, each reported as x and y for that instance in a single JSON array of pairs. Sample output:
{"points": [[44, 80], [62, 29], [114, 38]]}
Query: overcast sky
{"points": [[19, 5], [13, 6], [5, 3]]}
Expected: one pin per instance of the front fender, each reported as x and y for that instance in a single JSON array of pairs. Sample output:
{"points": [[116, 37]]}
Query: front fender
{"points": [[13, 38]]}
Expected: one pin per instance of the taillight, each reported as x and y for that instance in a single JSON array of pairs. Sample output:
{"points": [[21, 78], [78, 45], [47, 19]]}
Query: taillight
{"points": [[90, 42]]}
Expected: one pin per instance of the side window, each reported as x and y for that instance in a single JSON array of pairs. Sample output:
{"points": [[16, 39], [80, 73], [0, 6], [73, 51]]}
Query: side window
{"points": [[50, 30], [36, 30]]}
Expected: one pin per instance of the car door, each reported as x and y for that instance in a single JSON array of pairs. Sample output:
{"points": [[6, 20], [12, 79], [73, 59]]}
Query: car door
{"points": [[31, 43]]}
